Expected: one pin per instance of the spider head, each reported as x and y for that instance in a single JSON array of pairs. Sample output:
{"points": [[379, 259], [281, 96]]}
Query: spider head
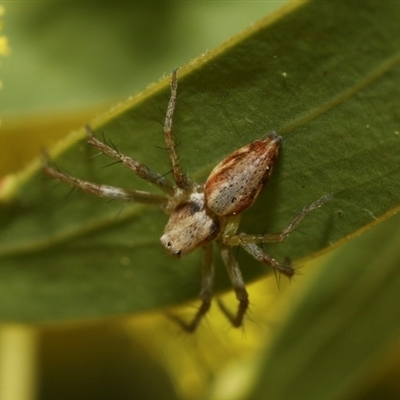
{"points": [[189, 227], [174, 247]]}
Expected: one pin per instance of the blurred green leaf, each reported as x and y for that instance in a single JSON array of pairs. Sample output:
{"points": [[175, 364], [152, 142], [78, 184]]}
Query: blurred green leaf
{"points": [[339, 335], [74, 55], [323, 74], [99, 361]]}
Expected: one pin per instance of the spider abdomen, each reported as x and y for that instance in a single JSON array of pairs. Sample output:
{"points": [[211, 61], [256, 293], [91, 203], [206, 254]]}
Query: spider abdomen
{"points": [[235, 183]]}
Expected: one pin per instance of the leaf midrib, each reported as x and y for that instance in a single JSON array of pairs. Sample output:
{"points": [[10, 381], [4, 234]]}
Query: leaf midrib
{"points": [[346, 95]]}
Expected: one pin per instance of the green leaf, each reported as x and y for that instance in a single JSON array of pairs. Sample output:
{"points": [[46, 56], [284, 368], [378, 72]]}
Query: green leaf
{"points": [[80, 56], [108, 360], [322, 74], [340, 335]]}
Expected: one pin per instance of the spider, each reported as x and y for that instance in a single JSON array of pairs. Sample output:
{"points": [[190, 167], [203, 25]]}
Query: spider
{"points": [[203, 213]]}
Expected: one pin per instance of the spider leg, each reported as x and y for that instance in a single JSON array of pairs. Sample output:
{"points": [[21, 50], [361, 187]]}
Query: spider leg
{"points": [[207, 283], [238, 285], [284, 268], [248, 242], [110, 192], [180, 178], [293, 225], [140, 169]]}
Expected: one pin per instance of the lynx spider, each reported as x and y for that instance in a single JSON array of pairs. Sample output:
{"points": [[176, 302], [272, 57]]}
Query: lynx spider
{"points": [[202, 213]]}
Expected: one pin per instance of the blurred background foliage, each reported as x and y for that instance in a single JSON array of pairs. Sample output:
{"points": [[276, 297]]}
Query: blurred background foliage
{"points": [[70, 61]]}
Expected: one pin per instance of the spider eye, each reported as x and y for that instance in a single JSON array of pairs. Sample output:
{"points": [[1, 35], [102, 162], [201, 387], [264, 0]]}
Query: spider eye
{"points": [[173, 245], [175, 252], [170, 245]]}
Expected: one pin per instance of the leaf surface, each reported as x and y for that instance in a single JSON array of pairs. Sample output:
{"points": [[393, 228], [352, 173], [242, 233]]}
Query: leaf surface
{"points": [[324, 75], [341, 333]]}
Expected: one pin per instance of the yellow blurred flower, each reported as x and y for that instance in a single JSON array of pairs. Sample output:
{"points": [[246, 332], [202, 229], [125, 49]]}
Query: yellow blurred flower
{"points": [[4, 47]]}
